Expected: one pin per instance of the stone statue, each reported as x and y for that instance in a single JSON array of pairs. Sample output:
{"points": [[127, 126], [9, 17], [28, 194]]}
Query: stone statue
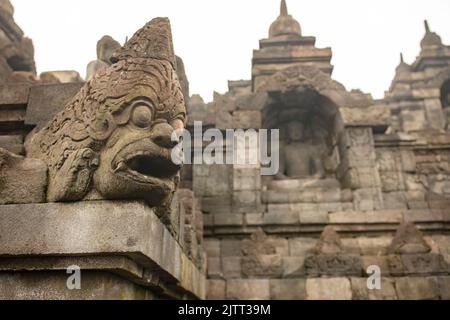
{"points": [[299, 158], [106, 47], [113, 140]]}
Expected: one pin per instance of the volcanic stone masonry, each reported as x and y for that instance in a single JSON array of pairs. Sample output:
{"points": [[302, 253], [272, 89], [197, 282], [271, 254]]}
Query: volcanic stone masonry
{"points": [[362, 182]]}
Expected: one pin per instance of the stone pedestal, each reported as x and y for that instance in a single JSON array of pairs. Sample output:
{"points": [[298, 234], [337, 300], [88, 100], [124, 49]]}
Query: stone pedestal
{"points": [[122, 249]]}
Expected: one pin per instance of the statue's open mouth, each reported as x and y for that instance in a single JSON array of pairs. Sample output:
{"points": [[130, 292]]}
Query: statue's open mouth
{"points": [[144, 162]]}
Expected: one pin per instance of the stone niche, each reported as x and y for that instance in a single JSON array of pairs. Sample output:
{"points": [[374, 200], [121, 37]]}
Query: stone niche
{"points": [[309, 124], [445, 100]]}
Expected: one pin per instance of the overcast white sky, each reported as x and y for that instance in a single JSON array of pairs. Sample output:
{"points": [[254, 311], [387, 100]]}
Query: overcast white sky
{"points": [[215, 38]]}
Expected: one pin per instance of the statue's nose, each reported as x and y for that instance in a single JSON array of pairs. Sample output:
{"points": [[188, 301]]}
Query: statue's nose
{"points": [[162, 136]]}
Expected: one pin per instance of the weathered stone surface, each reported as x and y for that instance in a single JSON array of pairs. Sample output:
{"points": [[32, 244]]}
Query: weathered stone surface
{"points": [[328, 289], [14, 94], [246, 120], [444, 287], [13, 187], [230, 248], [79, 229], [313, 217], [362, 292], [329, 242], [414, 288], [376, 115], [288, 289], [293, 267], [48, 100], [408, 239], [424, 264], [12, 143], [212, 247], [248, 290], [216, 290], [53, 286], [231, 267], [301, 246], [333, 265], [82, 159], [260, 257], [214, 268]]}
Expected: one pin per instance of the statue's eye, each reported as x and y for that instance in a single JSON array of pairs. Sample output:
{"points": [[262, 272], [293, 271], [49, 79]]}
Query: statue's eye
{"points": [[142, 116], [177, 124]]}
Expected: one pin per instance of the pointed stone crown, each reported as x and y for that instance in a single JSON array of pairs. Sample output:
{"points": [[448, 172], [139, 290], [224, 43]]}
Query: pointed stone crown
{"points": [[153, 41]]}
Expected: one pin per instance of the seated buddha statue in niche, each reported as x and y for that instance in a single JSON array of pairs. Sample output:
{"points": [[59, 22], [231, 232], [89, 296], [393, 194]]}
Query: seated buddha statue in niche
{"points": [[300, 158]]}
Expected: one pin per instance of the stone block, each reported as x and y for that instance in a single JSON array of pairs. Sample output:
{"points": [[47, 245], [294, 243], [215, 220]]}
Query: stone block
{"points": [[223, 120], [230, 248], [291, 218], [392, 181], [362, 292], [423, 215], [247, 119], [250, 289], [368, 199], [374, 245], [333, 265], [262, 266], [244, 201], [281, 245], [330, 207], [311, 217], [434, 112], [254, 219], [216, 290], [378, 260], [361, 156], [379, 216], [278, 208], [374, 115], [394, 200], [231, 267], [444, 287], [359, 136], [212, 247], [430, 263], [288, 289], [47, 100], [443, 243], [217, 205], [275, 197], [79, 229], [14, 94], [300, 207], [22, 180], [214, 268], [293, 267], [301, 246], [415, 288], [413, 120], [246, 179], [408, 160], [96, 285], [359, 178], [228, 219], [328, 289]]}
